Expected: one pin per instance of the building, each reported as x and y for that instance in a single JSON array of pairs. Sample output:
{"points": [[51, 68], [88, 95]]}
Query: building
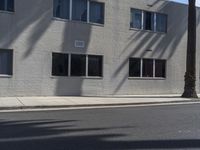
{"points": [[92, 47]]}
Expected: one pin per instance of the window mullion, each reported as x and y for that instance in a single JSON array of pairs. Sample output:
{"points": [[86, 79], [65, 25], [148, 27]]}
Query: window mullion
{"points": [[86, 69], [69, 65], [70, 10], [155, 25], [88, 11], [6, 5], [154, 68], [141, 67], [142, 20]]}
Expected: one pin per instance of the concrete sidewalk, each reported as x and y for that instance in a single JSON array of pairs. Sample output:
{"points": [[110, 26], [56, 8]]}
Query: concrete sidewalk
{"points": [[7, 103]]}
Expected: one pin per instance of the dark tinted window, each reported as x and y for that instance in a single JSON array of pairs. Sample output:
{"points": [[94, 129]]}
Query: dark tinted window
{"points": [[147, 68], [78, 65], [161, 23], [79, 10], [148, 21], [59, 64], [6, 62], [61, 9], [94, 65], [2, 4], [136, 18], [134, 67], [96, 12], [160, 68], [10, 5], [7, 5]]}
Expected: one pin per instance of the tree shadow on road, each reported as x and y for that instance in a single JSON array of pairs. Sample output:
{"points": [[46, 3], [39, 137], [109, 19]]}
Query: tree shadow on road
{"points": [[66, 135]]}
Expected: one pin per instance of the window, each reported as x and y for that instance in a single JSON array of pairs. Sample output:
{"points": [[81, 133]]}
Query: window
{"points": [[149, 21], [134, 67], [160, 70], [96, 12], [79, 10], [6, 62], [59, 64], [7, 5], [61, 9], [94, 65], [149, 68], [78, 65], [161, 23], [146, 20], [136, 18]]}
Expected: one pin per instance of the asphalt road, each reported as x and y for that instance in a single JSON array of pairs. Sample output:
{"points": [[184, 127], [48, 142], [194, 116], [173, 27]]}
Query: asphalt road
{"points": [[153, 127]]}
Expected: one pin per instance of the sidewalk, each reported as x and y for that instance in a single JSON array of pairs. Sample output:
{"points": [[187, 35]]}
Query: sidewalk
{"points": [[8, 103]]}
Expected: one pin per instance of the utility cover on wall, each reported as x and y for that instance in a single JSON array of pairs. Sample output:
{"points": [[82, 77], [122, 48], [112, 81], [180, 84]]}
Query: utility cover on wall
{"points": [[79, 44]]}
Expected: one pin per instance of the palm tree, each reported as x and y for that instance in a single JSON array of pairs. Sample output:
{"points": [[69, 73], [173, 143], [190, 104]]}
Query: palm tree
{"points": [[190, 75]]}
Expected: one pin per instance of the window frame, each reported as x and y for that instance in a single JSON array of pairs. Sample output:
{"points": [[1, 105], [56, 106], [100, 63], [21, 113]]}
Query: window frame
{"points": [[88, 13], [154, 69], [86, 66], [143, 21]]}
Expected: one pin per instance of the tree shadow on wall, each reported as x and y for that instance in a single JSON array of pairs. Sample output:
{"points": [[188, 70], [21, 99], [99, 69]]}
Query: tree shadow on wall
{"points": [[162, 46]]}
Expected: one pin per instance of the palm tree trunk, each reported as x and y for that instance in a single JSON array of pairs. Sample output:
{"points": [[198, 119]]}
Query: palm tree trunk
{"points": [[190, 75]]}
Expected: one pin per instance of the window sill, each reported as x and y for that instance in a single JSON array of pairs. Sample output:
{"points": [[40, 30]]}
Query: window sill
{"points": [[76, 21], [80, 77], [146, 78], [149, 31], [6, 12], [5, 76]]}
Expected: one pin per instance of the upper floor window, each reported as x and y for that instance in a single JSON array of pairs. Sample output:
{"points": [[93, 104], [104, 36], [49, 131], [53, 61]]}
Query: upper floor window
{"points": [[7, 5], [61, 9], [149, 21], [161, 23], [79, 10], [146, 20], [136, 16], [97, 12]]}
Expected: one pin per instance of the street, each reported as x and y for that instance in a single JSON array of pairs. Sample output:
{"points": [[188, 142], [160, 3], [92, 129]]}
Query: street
{"points": [[150, 127]]}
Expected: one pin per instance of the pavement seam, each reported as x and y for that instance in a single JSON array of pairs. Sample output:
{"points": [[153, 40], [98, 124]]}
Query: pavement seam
{"points": [[20, 101]]}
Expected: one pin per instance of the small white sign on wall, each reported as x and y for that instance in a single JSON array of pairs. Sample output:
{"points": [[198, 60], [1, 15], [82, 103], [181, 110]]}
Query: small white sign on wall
{"points": [[79, 44]]}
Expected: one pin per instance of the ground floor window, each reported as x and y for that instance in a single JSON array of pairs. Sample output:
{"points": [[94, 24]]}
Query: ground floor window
{"points": [[7, 5], [95, 65], [77, 65], [6, 62], [59, 64], [149, 68]]}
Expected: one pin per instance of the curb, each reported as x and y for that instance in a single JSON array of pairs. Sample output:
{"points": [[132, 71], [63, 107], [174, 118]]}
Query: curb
{"points": [[97, 105]]}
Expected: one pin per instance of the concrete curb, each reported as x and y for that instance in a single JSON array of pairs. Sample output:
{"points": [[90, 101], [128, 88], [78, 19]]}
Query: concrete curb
{"points": [[98, 105]]}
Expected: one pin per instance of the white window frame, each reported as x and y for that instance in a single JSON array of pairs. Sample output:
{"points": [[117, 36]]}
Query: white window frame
{"points": [[154, 23], [88, 13]]}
